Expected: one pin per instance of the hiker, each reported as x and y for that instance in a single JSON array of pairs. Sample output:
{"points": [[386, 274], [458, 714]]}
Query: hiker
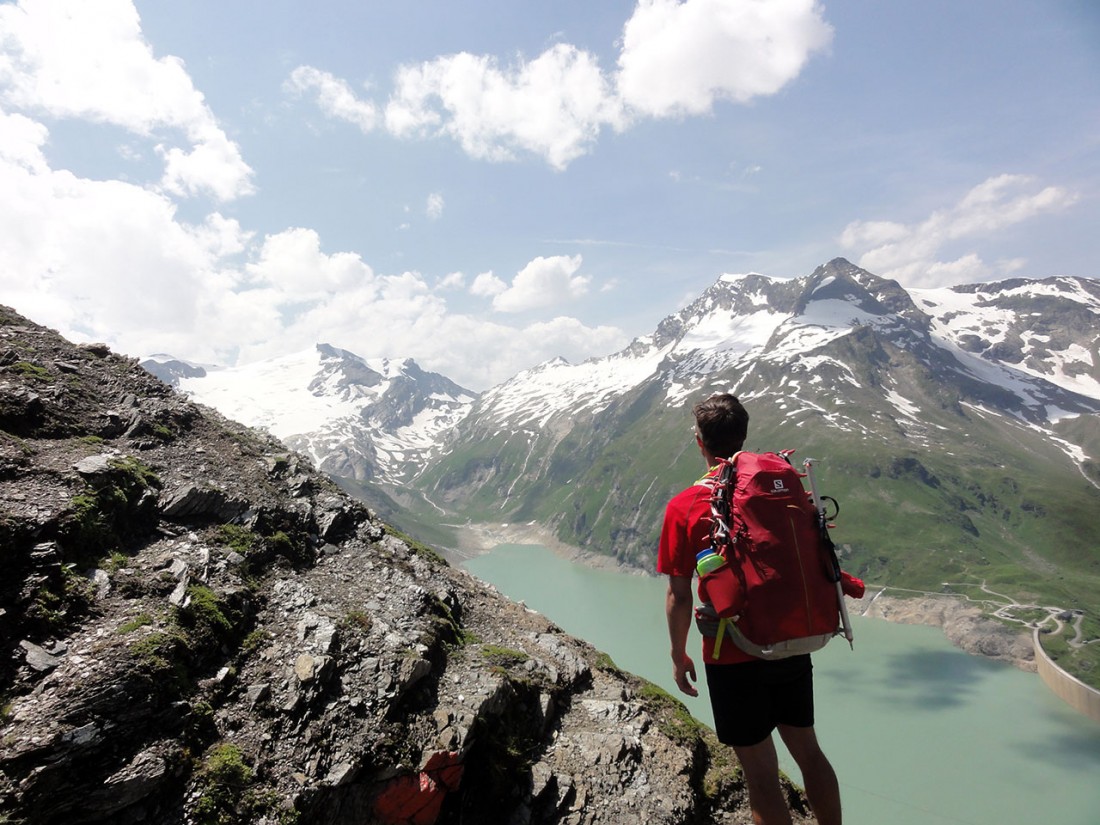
{"points": [[750, 697]]}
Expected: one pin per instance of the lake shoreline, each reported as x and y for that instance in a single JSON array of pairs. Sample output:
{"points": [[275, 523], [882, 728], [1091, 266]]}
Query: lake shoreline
{"points": [[963, 622]]}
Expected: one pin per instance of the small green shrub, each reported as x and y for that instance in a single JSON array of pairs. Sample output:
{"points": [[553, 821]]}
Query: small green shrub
{"points": [[117, 561], [259, 547], [418, 547], [134, 623], [606, 663], [222, 780], [269, 805], [160, 657], [111, 511], [162, 432], [29, 370], [204, 618], [674, 720], [296, 552], [253, 641], [358, 619], [503, 656], [59, 599], [135, 473], [239, 539]]}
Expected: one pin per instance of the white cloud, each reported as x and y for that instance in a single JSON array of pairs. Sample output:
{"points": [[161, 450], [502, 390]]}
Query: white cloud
{"points": [[213, 165], [103, 259], [87, 59], [678, 58], [489, 353], [334, 97], [542, 283], [452, 280], [293, 263], [872, 234], [21, 141], [110, 261], [388, 315], [908, 253], [434, 208], [553, 106], [487, 285]]}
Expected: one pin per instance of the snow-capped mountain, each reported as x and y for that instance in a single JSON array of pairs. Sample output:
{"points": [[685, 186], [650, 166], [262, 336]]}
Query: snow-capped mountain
{"points": [[1038, 328], [170, 369], [357, 418], [1035, 339], [964, 423], [956, 413]]}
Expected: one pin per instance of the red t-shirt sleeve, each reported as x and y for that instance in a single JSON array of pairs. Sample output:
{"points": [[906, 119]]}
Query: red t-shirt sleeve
{"points": [[686, 531], [676, 552]]}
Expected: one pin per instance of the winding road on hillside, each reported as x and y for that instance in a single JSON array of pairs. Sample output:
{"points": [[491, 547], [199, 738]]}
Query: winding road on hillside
{"points": [[1056, 616]]}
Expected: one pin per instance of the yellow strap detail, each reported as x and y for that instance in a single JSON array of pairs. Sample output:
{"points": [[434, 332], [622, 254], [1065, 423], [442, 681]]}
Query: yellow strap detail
{"points": [[718, 638]]}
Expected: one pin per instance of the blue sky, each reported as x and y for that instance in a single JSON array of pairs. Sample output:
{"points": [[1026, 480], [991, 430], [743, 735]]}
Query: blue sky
{"points": [[488, 184]]}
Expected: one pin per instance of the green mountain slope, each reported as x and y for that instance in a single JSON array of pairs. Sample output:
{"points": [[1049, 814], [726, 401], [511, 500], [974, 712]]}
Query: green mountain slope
{"points": [[952, 472]]}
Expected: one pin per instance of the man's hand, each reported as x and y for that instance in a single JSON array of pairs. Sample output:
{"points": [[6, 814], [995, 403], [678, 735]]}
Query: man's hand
{"points": [[684, 673], [678, 610]]}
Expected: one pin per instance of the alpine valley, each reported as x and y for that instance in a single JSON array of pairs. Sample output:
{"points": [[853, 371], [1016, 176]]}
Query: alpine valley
{"points": [[959, 429]]}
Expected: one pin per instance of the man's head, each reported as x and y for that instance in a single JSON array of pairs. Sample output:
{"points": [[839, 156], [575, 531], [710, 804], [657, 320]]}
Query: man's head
{"points": [[721, 424]]}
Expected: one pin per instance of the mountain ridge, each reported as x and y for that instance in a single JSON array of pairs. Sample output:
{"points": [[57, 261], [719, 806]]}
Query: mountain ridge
{"points": [[765, 313]]}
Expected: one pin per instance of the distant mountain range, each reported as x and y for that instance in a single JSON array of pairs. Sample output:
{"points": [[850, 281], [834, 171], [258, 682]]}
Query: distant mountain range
{"points": [[959, 427], [364, 420]]}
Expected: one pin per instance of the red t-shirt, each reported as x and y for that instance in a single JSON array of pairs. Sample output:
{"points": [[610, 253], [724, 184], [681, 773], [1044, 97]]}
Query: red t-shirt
{"points": [[686, 531]]}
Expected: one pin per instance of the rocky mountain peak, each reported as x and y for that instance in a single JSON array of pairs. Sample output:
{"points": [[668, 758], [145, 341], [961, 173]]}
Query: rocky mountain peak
{"points": [[842, 280], [195, 625], [170, 369], [343, 371]]}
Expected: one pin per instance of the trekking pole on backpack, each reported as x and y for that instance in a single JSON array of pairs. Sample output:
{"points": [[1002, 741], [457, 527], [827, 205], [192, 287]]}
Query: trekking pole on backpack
{"points": [[830, 549]]}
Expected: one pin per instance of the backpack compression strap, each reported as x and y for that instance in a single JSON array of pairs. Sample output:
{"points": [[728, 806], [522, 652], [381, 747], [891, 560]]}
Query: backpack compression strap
{"points": [[721, 496]]}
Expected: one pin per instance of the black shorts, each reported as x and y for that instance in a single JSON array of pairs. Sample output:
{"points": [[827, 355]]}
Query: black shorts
{"points": [[750, 698]]}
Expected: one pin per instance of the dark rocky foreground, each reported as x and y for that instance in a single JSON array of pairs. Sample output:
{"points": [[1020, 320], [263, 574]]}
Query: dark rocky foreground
{"points": [[197, 627]]}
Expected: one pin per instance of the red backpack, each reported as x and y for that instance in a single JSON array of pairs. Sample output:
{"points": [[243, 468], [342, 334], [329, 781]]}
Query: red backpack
{"points": [[774, 537]]}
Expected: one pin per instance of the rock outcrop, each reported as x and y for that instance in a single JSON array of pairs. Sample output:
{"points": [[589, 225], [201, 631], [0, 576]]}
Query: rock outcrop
{"points": [[195, 626], [964, 623]]}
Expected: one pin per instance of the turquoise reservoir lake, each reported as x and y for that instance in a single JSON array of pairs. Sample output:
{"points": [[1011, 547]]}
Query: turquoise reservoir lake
{"points": [[919, 732]]}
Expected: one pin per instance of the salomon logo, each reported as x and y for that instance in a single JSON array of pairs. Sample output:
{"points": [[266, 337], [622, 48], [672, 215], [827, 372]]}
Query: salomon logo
{"points": [[778, 486]]}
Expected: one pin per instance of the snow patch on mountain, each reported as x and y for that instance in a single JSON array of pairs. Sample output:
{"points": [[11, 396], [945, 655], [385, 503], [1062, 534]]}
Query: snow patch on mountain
{"points": [[757, 298], [245, 394], [535, 395], [989, 316], [903, 405], [719, 332], [362, 418]]}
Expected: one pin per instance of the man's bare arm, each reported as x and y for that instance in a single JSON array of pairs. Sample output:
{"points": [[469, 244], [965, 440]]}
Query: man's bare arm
{"points": [[678, 604]]}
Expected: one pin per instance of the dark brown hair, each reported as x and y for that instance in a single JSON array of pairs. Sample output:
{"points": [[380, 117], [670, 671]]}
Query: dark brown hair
{"points": [[722, 424]]}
